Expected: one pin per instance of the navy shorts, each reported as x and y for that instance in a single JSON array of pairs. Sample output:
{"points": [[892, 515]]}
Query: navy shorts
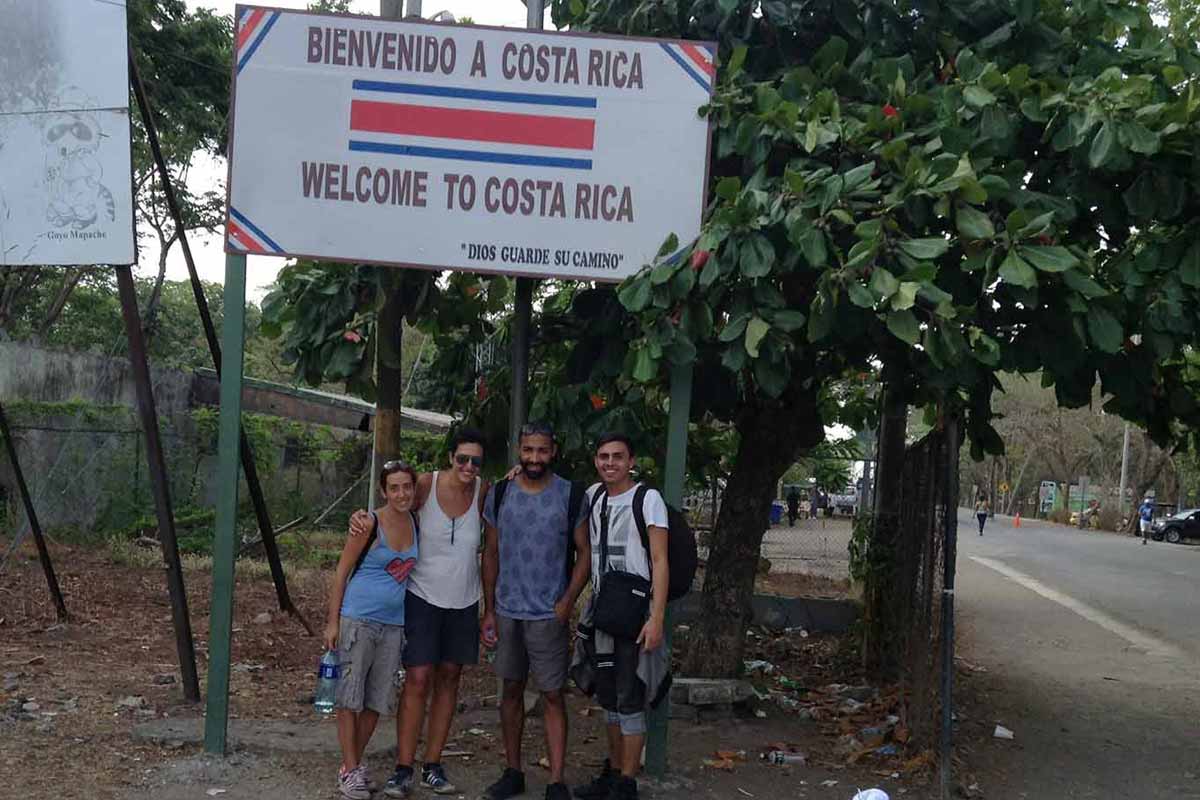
{"points": [[437, 635]]}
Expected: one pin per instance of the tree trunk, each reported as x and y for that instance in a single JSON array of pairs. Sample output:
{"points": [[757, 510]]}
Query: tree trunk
{"points": [[388, 375], [893, 432], [71, 279], [151, 314], [771, 438]]}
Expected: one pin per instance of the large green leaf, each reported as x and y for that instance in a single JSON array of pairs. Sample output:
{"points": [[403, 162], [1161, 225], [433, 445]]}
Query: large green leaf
{"points": [[925, 249], [978, 97], [645, 367], [1105, 330], [1103, 147], [734, 328], [1138, 138], [860, 295], [906, 295], [1189, 266], [904, 326], [973, 224], [884, 283], [757, 256], [1016, 270], [756, 329], [788, 320], [635, 294], [1049, 259]]}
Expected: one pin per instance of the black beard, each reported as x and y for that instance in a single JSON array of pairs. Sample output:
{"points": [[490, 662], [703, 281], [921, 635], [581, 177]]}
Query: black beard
{"points": [[534, 470]]}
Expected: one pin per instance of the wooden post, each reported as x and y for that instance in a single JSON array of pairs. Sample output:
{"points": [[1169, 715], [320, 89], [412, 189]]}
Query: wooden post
{"points": [[519, 398], [674, 475], [214, 349], [216, 720], [43, 552], [156, 469]]}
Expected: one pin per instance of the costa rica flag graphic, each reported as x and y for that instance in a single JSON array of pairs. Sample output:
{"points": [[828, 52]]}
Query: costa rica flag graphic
{"points": [[481, 125]]}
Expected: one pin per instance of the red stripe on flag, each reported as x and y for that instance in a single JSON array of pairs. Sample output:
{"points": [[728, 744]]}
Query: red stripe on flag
{"points": [[472, 125], [236, 232], [248, 29], [695, 55]]}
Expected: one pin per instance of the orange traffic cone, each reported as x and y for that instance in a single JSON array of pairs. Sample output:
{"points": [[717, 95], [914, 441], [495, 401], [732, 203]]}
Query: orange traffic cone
{"points": [[1017, 520]]}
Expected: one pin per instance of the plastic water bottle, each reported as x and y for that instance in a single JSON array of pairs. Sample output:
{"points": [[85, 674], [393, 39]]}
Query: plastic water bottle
{"points": [[785, 758], [328, 672]]}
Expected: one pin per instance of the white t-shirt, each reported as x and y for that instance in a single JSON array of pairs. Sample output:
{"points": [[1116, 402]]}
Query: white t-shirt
{"points": [[625, 551]]}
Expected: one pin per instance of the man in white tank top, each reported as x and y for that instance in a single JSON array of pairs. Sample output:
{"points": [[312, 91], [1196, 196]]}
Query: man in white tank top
{"points": [[441, 611]]}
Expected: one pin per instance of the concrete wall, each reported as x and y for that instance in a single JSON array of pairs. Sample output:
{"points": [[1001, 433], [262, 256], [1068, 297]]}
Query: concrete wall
{"points": [[50, 376], [83, 455]]}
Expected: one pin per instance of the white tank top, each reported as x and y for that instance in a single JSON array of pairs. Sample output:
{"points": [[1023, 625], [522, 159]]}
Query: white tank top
{"points": [[447, 573]]}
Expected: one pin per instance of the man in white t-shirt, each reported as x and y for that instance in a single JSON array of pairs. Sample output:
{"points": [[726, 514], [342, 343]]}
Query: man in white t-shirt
{"points": [[629, 674]]}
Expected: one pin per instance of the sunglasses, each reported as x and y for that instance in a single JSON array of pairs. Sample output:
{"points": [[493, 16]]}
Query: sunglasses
{"points": [[462, 459], [396, 465]]}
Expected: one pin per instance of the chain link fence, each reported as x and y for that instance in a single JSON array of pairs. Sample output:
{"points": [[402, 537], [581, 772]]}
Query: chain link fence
{"points": [[816, 542]]}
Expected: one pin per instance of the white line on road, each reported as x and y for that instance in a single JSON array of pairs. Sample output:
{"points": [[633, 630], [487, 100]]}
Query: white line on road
{"points": [[1135, 637]]}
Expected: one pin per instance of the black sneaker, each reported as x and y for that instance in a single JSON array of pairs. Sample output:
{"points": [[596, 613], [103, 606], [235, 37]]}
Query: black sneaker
{"points": [[599, 788], [433, 776], [400, 784], [511, 784], [558, 791], [623, 789]]}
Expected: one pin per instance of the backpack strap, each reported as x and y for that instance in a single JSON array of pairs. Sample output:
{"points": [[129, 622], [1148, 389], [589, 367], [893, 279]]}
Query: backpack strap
{"points": [[639, 516], [498, 497], [574, 503], [370, 541]]}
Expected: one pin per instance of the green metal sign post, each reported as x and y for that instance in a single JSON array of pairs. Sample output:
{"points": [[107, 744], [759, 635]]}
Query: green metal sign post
{"points": [[216, 720], [673, 480]]}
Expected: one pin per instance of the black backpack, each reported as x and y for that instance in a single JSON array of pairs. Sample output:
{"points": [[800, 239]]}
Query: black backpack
{"points": [[578, 491], [682, 558]]}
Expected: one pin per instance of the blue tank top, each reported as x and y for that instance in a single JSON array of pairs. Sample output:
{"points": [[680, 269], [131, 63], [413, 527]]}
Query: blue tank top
{"points": [[376, 591]]}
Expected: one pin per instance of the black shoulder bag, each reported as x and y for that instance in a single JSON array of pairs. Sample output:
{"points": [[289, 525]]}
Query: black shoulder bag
{"points": [[623, 602]]}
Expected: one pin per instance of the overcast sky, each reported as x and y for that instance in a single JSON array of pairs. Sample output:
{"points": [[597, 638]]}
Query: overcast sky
{"points": [[210, 257]]}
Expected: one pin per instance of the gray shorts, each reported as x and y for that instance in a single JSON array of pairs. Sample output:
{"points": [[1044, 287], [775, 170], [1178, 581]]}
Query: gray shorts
{"points": [[370, 656], [532, 647]]}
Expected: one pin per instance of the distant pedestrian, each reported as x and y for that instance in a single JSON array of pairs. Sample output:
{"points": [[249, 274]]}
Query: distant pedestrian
{"points": [[793, 506], [1145, 518], [981, 512]]}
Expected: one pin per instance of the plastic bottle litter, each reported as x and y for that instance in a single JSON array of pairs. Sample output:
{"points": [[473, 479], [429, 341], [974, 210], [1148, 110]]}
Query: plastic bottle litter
{"points": [[328, 672], [783, 757], [871, 794]]}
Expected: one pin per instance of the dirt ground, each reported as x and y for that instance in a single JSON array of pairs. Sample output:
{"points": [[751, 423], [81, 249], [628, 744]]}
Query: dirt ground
{"points": [[74, 693]]}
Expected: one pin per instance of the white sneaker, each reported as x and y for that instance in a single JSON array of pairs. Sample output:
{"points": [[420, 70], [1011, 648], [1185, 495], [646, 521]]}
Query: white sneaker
{"points": [[352, 784]]}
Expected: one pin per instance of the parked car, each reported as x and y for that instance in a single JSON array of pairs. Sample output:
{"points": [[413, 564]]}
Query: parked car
{"points": [[846, 502], [1182, 525]]}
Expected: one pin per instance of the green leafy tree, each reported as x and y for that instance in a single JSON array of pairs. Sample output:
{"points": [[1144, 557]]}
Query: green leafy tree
{"points": [[949, 189], [183, 58]]}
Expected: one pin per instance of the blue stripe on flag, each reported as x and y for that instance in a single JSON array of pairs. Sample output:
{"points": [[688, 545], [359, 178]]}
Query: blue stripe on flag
{"points": [[477, 94], [266, 28], [686, 67], [471, 155], [257, 231]]}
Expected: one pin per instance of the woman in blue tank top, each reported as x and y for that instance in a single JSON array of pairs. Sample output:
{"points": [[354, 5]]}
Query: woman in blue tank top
{"points": [[366, 622]]}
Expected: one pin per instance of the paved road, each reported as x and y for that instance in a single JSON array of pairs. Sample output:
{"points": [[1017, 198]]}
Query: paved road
{"points": [[1091, 646]]}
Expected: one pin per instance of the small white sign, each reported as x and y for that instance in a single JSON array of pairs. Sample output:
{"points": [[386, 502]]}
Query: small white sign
{"points": [[65, 187], [462, 147]]}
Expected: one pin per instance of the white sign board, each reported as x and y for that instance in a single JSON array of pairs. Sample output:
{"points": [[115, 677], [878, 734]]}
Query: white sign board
{"points": [[463, 147], [65, 186]]}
